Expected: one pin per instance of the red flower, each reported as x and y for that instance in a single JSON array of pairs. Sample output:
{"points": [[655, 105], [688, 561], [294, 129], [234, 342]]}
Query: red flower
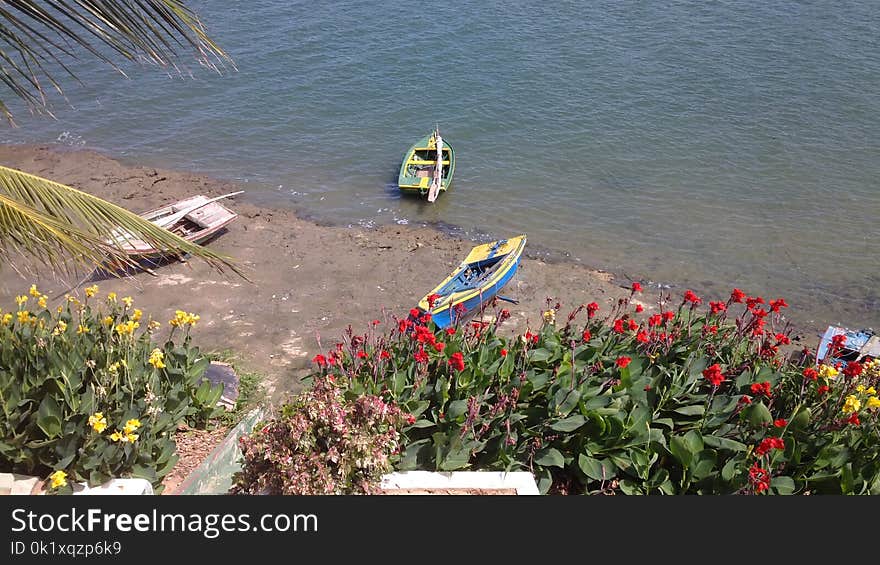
{"points": [[737, 295], [410, 419], [618, 326], [438, 346], [587, 335], [420, 356], [632, 325], [642, 337], [531, 338], [752, 301], [623, 361], [689, 296], [450, 331], [717, 307], [319, 360], [505, 314], [744, 399], [713, 374], [639, 308], [668, 315], [457, 361], [713, 329], [780, 423], [775, 305], [769, 443], [759, 477], [504, 353], [853, 369], [759, 313], [385, 355], [432, 298], [782, 339], [414, 312], [853, 419], [823, 389], [637, 287], [362, 354], [376, 322], [460, 308], [761, 388], [426, 317], [592, 308], [655, 320], [811, 374]]}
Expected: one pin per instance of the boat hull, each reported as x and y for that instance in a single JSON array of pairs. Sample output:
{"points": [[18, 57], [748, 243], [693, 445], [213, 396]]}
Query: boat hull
{"points": [[499, 262]]}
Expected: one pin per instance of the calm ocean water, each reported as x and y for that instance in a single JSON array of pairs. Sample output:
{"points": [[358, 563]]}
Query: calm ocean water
{"points": [[698, 144]]}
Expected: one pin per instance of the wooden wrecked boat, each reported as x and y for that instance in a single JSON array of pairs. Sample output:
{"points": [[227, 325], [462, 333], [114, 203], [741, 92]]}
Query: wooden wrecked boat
{"points": [[475, 282], [195, 219]]}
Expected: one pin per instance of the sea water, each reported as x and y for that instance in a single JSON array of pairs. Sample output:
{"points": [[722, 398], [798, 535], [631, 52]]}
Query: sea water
{"points": [[700, 145]]}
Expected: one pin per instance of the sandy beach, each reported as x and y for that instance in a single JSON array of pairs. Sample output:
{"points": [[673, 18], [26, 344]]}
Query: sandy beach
{"points": [[308, 282]]}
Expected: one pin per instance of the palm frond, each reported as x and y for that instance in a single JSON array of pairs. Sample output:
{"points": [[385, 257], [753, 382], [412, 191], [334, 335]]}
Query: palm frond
{"points": [[59, 225], [34, 33]]}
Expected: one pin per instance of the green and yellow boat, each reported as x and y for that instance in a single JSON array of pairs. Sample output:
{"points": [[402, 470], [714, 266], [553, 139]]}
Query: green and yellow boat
{"points": [[427, 167]]}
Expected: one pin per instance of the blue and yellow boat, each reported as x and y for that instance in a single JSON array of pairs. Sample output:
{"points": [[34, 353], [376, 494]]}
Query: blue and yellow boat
{"points": [[475, 282], [427, 167]]}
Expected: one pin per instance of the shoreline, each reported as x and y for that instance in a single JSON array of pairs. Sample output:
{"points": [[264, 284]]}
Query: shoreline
{"points": [[310, 281]]}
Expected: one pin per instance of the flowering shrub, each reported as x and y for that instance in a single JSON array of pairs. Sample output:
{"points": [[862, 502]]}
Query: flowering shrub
{"points": [[682, 399], [86, 395], [320, 443]]}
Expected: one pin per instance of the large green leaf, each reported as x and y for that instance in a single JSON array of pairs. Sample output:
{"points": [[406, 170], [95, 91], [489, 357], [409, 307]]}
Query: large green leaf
{"points": [[600, 470], [550, 457], [49, 417], [569, 424], [724, 443]]}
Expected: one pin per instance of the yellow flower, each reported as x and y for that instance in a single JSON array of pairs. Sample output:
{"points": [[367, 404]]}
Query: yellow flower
{"points": [[113, 367], [156, 357], [98, 422], [91, 290], [111, 297], [127, 328], [181, 319], [131, 438], [870, 390], [33, 291], [6, 319], [116, 436], [107, 321], [136, 315], [21, 299], [23, 316], [873, 402], [82, 329], [153, 325], [550, 316], [60, 328], [42, 301], [131, 426], [860, 388], [852, 404], [58, 478], [127, 301], [828, 372]]}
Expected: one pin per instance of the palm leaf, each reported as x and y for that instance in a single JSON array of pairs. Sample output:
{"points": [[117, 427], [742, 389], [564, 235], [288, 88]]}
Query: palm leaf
{"points": [[38, 36], [60, 226]]}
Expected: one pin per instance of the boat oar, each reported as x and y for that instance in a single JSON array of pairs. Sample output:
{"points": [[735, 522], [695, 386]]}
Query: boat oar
{"points": [[506, 299]]}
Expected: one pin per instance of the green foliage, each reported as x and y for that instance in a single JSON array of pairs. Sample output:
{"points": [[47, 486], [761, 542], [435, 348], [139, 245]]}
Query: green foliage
{"points": [[84, 390], [669, 401]]}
